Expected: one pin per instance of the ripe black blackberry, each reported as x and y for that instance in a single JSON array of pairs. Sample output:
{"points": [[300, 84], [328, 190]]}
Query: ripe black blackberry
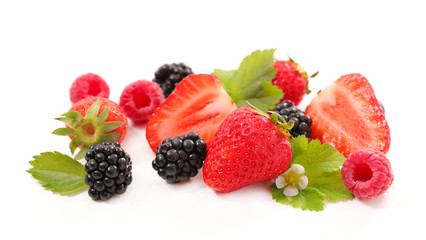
{"points": [[109, 170], [179, 158], [302, 122], [169, 75]]}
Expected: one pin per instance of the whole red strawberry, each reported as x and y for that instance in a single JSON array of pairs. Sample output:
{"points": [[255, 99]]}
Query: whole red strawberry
{"points": [[247, 148], [292, 80], [93, 120]]}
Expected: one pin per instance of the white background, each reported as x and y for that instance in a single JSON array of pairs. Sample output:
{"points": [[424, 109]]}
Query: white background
{"points": [[45, 45]]}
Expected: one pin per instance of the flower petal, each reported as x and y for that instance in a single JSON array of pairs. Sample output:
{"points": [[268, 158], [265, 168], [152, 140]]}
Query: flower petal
{"points": [[280, 182], [303, 182], [291, 191], [299, 169]]}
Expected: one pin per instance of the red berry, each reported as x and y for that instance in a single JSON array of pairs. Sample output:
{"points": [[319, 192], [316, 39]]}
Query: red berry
{"points": [[199, 104], [367, 173], [88, 85], [348, 115], [291, 79], [116, 114], [139, 99], [247, 148]]}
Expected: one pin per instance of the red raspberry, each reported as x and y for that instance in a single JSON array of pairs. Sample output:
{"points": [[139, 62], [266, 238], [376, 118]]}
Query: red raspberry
{"points": [[88, 85], [139, 99], [367, 173]]}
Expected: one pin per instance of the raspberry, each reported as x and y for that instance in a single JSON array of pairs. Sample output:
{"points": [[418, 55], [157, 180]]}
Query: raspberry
{"points": [[179, 158], [367, 173], [88, 85], [169, 75], [139, 99], [302, 122], [109, 170]]}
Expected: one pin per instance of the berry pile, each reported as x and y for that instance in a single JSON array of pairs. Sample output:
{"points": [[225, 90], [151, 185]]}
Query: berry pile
{"points": [[235, 145], [109, 170], [179, 158], [302, 122], [168, 76]]}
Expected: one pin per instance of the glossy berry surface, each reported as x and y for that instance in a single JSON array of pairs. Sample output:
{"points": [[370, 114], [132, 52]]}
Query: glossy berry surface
{"points": [[109, 170], [199, 104], [88, 85], [168, 76], [248, 148], [290, 80], [348, 115], [139, 99], [179, 158], [116, 114], [367, 173], [302, 122]]}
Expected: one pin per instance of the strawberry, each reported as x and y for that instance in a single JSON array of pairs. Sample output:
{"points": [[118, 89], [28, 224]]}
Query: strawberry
{"points": [[348, 115], [199, 103], [248, 148], [292, 80], [93, 120]]}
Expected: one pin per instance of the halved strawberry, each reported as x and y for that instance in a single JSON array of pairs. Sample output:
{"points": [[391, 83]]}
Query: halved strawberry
{"points": [[198, 104], [348, 115]]}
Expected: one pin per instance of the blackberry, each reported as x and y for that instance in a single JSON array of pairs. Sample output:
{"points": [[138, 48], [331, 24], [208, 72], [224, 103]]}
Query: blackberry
{"points": [[302, 122], [109, 170], [179, 158], [169, 75]]}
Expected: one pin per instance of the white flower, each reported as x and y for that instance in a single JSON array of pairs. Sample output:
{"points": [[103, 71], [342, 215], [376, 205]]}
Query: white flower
{"points": [[292, 180]]}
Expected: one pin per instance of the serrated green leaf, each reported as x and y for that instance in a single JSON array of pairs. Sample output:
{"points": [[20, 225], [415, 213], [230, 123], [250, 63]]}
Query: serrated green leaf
{"points": [[252, 81], [331, 186], [64, 132], [322, 164], [225, 75], [265, 98], [316, 157], [58, 173], [308, 199]]}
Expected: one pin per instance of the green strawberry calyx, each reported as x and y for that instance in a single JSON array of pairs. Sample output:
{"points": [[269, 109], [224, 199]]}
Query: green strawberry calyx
{"points": [[87, 130], [282, 125]]}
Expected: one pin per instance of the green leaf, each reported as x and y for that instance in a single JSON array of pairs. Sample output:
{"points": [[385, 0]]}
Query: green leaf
{"points": [[64, 132], [103, 116], [322, 164], [110, 137], [75, 143], [252, 81], [59, 173], [315, 157], [308, 199], [71, 118], [92, 112], [109, 126], [331, 186], [81, 154]]}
